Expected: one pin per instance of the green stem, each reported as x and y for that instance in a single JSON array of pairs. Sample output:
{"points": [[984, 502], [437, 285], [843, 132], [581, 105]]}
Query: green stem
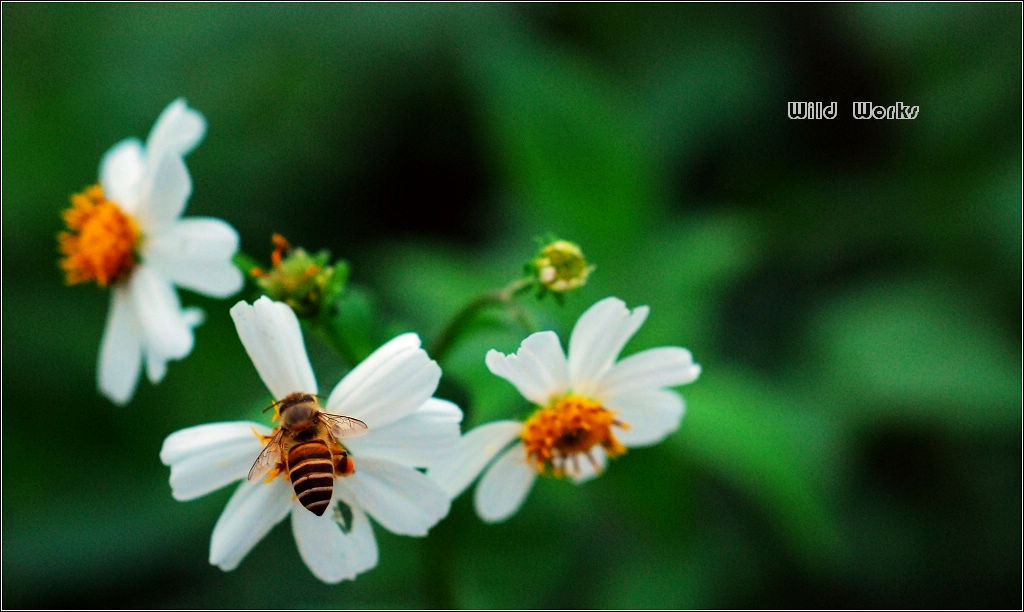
{"points": [[333, 337], [438, 554], [444, 341]]}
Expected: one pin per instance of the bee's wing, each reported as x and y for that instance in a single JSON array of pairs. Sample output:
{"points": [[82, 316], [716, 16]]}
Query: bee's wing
{"points": [[269, 457], [344, 426]]}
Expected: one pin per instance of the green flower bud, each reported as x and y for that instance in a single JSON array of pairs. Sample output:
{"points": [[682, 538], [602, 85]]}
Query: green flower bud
{"points": [[560, 267], [307, 283]]}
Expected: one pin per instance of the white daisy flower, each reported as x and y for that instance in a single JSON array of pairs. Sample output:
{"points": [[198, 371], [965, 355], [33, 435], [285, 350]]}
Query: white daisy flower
{"points": [[589, 408], [375, 474], [127, 233]]}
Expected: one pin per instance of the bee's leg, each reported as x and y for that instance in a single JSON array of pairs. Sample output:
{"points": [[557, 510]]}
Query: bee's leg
{"points": [[343, 465], [273, 472]]}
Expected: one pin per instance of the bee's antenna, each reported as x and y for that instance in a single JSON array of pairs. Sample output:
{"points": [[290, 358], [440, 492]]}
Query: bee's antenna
{"points": [[271, 405]]}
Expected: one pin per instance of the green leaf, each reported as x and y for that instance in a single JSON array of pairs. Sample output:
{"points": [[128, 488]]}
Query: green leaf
{"points": [[577, 162], [918, 349], [350, 320], [766, 443]]}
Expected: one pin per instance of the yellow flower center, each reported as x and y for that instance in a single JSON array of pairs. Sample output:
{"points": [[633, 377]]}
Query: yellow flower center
{"points": [[101, 242], [571, 426]]}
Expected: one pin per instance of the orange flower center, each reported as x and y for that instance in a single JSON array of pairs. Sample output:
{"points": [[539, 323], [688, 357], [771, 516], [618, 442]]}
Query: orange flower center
{"points": [[101, 242], [568, 428]]}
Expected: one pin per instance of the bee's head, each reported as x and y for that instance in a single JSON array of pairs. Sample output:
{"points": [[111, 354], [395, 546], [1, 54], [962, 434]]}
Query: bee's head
{"points": [[297, 410]]}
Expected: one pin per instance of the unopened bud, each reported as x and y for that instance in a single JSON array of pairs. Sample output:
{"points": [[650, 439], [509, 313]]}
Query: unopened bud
{"points": [[303, 281], [560, 266]]}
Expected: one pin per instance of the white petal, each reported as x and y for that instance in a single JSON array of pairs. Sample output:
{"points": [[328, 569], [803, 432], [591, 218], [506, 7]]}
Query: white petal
{"points": [[425, 437], [178, 129], [194, 316], [473, 452], [191, 441], [165, 330], [651, 369], [330, 553], [392, 382], [120, 173], [597, 339], [120, 349], [251, 513], [504, 486], [580, 469], [368, 368], [538, 369], [156, 362], [205, 458], [271, 335], [196, 254], [361, 531], [400, 498], [156, 365], [162, 192], [651, 415]]}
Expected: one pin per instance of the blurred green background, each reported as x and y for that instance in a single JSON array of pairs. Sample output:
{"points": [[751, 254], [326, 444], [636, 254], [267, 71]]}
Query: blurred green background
{"points": [[851, 288]]}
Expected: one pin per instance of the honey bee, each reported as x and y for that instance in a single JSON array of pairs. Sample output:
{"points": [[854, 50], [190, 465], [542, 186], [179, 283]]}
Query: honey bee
{"points": [[307, 441]]}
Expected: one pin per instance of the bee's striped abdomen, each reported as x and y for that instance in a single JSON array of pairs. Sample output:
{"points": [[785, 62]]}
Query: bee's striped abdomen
{"points": [[311, 468]]}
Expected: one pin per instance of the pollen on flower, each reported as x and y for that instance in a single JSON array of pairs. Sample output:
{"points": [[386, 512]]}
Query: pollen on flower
{"points": [[273, 472], [101, 242], [571, 426], [263, 439], [281, 246]]}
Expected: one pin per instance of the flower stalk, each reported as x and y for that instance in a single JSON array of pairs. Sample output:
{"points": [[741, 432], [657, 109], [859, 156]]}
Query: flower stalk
{"points": [[460, 321]]}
